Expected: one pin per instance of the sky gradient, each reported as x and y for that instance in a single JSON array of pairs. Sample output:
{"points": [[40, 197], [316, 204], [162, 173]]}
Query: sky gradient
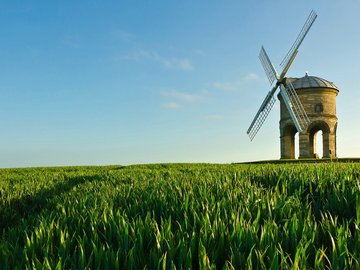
{"points": [[126, 82]]}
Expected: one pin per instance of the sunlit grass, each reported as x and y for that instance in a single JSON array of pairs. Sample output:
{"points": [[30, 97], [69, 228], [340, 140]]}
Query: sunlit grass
{"points": [[181, 216]]}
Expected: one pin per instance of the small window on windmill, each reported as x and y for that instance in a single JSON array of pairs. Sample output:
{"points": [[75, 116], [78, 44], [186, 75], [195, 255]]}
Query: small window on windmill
{"points": [[319, 108]]}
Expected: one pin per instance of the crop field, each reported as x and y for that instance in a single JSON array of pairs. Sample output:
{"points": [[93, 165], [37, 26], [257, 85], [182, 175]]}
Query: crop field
{"points": [[181, 216]]}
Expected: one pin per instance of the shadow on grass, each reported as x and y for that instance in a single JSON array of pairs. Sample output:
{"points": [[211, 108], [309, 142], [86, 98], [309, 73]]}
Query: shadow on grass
{"points": [[28, 205]]}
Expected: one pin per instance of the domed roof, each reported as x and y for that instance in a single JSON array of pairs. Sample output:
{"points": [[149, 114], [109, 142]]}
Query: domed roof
{"points": [[311, 82]]}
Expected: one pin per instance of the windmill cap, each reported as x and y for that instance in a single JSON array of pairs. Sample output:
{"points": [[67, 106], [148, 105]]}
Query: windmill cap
{"points": [[311, 82]]}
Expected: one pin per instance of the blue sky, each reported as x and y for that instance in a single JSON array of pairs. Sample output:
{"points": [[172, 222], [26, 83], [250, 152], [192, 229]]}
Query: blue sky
{"points": [[125, 82]]}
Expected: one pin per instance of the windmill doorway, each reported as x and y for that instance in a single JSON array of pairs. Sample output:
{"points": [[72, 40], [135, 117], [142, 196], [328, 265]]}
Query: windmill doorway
{"points": [[319, 140], [318, 147], [296, 142]]}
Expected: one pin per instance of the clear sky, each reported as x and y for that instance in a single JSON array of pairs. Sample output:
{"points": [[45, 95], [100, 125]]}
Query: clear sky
{"points": [[126, 82]]}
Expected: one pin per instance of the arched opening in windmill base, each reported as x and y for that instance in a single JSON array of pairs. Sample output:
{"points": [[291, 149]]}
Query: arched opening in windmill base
{"points": [[296, 142], [318, 144], [319, 140]]}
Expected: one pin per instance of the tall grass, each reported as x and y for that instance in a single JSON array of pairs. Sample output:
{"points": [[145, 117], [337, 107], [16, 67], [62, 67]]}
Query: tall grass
{"points": [[181, 216]]}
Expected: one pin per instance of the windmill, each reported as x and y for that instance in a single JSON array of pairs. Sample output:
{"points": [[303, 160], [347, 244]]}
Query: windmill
{"points": [[287, 91]]}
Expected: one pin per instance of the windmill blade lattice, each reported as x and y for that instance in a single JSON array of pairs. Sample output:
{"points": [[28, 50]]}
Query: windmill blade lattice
{"points": [[269, 100], [261, 116], [268, 66], [309, 22], [298, 109]]}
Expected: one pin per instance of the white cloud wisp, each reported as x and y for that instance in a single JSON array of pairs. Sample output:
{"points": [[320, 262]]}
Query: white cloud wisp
{"points": [[167, 62]]}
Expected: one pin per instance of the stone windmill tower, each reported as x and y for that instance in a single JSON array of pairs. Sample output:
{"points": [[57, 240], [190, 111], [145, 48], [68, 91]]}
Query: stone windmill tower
{"points": [[318, 97]]}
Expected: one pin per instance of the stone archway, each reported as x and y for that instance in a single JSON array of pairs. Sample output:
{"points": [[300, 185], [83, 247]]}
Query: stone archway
{"points": [[307, 140], [313, 130]]}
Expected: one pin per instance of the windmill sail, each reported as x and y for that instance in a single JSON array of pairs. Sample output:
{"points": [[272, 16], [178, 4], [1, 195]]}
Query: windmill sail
{"points": [[300, 118], [269, 100], [261, 115], [287, 91], [268, 66], [294, 48]]}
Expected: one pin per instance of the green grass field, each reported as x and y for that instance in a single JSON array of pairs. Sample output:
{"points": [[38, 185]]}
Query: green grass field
{"points": [[181, 216]]}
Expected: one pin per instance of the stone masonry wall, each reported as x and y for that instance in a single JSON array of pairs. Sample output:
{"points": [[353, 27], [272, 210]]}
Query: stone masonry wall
{"points": [[320, 106]]}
